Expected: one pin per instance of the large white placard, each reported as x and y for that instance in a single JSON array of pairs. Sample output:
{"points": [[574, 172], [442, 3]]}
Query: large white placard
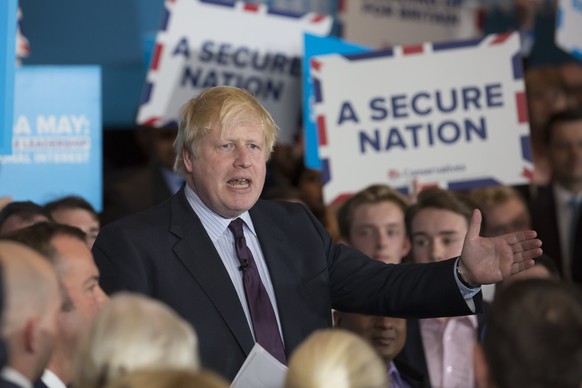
{"points": [[386, 23], [450, 114], [205, 43]]}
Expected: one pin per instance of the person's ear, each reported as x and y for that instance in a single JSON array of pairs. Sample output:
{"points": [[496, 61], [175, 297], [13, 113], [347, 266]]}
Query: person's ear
{"points": [[481, 368], [406, 247], [30, 334], [187, 158]]}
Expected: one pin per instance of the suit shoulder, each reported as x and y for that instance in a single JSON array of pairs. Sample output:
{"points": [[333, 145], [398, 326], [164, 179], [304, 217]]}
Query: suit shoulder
{"points": [[276, 208], [154, 216]]}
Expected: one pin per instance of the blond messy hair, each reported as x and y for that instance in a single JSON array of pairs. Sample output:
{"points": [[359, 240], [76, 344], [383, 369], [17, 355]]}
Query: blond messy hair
{"points": [[220, 107]]}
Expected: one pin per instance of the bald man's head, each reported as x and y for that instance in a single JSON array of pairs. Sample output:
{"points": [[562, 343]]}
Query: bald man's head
{"points": [[32, 302]]}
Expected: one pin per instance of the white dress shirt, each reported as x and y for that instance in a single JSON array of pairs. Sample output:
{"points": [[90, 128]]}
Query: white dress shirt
{"points": [[217, 229]]}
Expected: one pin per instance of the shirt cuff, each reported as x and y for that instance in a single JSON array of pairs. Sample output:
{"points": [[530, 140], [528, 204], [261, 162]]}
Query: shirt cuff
{"points": [[468, 293]]}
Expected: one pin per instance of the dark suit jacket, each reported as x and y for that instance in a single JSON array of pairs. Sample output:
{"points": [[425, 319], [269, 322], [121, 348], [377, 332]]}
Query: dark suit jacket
{"points": [[412, 375], [39, 384], [8, 384], [166, 253], [545, 222]]}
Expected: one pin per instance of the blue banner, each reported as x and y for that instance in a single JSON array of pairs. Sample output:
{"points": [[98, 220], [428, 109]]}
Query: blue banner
{"points": [[8, 12], [57, 142]]}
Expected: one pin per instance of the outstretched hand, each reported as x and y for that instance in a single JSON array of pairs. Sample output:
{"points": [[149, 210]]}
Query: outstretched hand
{"points": [[490, 260]]}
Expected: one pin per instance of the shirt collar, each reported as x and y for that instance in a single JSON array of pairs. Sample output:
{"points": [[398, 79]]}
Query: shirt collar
{"points": [[563, 196], [214, 224], [51, 380], [392, 368], [15, 377], [470, 320]]}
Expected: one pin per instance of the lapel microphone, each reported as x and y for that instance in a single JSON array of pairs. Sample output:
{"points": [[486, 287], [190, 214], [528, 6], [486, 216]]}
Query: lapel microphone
{"points": [[244, 265]]}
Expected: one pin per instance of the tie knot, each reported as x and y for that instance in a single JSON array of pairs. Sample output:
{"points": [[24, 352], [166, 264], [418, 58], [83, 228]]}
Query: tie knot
{"points": [[236, 227]]}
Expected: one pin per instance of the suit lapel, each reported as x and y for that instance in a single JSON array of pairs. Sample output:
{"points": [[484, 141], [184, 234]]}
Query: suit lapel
{"points": [[202, 261]]}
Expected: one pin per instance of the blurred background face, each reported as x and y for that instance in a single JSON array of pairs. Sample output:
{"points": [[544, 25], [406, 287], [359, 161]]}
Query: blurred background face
{"points": [[378, 231], [163, 146], [565, 152], [572, 75], [437, 235], [80, 276], [506, 217], [386, 335], [310, 186], [546, 95], [79, 218], [544, 102]]}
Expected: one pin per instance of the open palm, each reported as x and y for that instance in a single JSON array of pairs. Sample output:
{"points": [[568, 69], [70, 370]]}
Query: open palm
{"points": [[492, 259]]}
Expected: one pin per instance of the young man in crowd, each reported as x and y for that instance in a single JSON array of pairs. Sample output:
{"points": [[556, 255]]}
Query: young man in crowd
{"points": [[441, 347], [372, 221]]}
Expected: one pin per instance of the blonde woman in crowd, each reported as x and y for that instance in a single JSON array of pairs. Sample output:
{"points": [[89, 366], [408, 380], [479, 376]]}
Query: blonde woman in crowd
{"points": [[335, 358], [169, 378], [132, 332]]}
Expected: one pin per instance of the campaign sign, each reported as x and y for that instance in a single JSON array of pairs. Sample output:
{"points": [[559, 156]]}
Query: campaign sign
{"points": [[56, 143], [386, 23], [317, 45], [569, 27], [448, 114], [204, 43], [8, 12]]}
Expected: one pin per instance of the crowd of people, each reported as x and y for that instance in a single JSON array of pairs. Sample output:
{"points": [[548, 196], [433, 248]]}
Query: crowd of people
{"points": [[175, 288]]}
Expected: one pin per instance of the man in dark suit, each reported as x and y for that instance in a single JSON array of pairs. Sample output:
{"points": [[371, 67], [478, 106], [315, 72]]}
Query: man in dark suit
{"points": [[555, 209], [183, 251]]}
